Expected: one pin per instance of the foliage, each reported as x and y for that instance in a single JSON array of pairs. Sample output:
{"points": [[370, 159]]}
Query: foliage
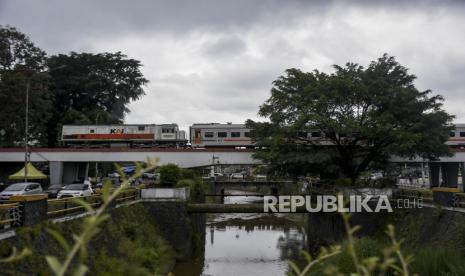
{"points": [[364, 115], [363, 257], [92, 88], [63, 89], [170, 174], [90, 228], [22, 66], [196, 187], [431, 261]]}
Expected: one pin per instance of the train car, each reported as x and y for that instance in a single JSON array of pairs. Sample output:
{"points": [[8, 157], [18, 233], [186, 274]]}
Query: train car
{"points": [[457, 137], [140, 135], [219, 135]]}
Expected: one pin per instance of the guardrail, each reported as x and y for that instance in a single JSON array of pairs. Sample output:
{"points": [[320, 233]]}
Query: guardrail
{"points": [[10, 215], [30, 209], [66, 206]]}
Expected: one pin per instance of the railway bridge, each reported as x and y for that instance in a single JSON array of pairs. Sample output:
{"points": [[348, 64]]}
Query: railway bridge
{"points": [[68, 164]]}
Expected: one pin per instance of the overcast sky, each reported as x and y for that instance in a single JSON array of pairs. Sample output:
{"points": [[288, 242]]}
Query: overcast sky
{"points": [[214, 61]]}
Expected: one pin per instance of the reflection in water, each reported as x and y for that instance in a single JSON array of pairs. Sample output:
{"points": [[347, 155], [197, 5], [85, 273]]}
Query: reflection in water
{"points": [[246, 244]]}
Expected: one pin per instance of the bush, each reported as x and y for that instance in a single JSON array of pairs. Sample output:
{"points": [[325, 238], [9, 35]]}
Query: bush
{"points": [[169, 175], [343, 182], [197, 190], [438, 261], [187, 174]]}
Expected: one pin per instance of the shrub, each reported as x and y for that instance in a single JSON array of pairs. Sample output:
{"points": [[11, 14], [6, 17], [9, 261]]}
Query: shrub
{"points": [[169, 175], [197, 190], [438, 261]]}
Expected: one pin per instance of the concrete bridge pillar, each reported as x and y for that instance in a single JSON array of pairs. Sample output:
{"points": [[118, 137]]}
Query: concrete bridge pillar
{"points": [[73, 171], [462, 172], [56, 172], [450, 174], [434, 171]]}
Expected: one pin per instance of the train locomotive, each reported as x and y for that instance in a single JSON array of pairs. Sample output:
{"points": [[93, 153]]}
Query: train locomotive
{"points": [[140, 135]]}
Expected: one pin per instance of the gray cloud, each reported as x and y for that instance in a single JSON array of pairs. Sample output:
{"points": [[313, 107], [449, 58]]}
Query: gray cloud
{"points": [[215, 60]]}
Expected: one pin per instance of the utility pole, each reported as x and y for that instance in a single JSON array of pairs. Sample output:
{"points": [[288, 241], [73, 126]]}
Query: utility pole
{"points": [[26, 139]]}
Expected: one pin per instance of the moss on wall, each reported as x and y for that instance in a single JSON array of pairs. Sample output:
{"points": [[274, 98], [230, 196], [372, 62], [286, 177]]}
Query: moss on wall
{"points": [[129, 243]]}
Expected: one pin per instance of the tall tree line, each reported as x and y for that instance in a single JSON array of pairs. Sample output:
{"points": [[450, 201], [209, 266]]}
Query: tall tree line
{"points": [[63, 89]]}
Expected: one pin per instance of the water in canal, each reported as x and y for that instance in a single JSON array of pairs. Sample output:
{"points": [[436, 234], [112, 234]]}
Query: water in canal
{"points": [[247, 244]]}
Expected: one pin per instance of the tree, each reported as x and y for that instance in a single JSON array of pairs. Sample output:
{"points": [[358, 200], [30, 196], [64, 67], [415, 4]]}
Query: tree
{"points": [[98, 86], [170, 174], [22, 64], [363, 116]]}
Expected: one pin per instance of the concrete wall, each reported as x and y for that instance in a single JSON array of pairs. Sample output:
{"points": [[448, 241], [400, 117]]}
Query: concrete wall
{"points": [[177, 226]]}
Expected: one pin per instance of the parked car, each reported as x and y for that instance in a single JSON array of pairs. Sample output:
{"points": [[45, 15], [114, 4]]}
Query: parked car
{"points": [[52, 190], [24, 188], [237, 176], [75, 190]]}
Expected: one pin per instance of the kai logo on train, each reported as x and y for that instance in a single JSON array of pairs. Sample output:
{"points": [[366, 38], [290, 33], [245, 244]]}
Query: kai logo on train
{"points": [[116, 130]]}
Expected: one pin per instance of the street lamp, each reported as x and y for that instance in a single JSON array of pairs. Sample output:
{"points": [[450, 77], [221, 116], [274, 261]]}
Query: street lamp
{"points": [[26, 142]]}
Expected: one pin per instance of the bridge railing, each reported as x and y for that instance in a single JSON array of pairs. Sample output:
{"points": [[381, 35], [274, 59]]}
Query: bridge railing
{"points": [[68, 205], [9, 215]]}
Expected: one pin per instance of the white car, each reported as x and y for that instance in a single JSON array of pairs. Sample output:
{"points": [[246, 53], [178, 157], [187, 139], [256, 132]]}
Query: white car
{"points": [[25, 188], [237, 176], [76, 190]]}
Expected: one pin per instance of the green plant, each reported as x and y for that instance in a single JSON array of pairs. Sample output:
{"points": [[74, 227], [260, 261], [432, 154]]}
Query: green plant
{"points": [[197, 189], [362, 257], [90, 226], [169, 175]]}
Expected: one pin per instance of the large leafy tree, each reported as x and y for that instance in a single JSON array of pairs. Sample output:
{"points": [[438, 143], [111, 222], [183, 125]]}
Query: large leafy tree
{"points": [[363, 116], [92, 88], [22, 64]]}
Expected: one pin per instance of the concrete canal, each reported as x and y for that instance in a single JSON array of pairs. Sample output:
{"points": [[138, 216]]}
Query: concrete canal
{"points": [[247, 244]]}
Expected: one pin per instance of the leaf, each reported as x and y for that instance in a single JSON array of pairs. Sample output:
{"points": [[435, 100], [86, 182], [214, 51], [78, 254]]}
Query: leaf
{"points": [[106, 191], [14, 256], [81, 270], [294, 267], [84, 204], [54, 264], [307, 256], [59, 238]]}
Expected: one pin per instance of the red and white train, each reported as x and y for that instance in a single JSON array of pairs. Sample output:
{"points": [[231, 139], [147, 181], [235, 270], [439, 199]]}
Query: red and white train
{"points": [[206, 135], [143, 135]]}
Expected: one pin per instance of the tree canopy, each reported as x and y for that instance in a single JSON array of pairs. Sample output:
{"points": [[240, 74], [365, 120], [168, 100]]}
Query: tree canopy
{"points": [[340, 123], [93, 88], [64, 89], [22, 65]]}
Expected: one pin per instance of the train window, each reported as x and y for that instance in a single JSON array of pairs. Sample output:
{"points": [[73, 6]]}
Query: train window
{"points": [[452, 134], [92, 131], [208, 134], [167, 130], [222, 134], [235, 134], [247, 134], [462, 134], [141, 128]]}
